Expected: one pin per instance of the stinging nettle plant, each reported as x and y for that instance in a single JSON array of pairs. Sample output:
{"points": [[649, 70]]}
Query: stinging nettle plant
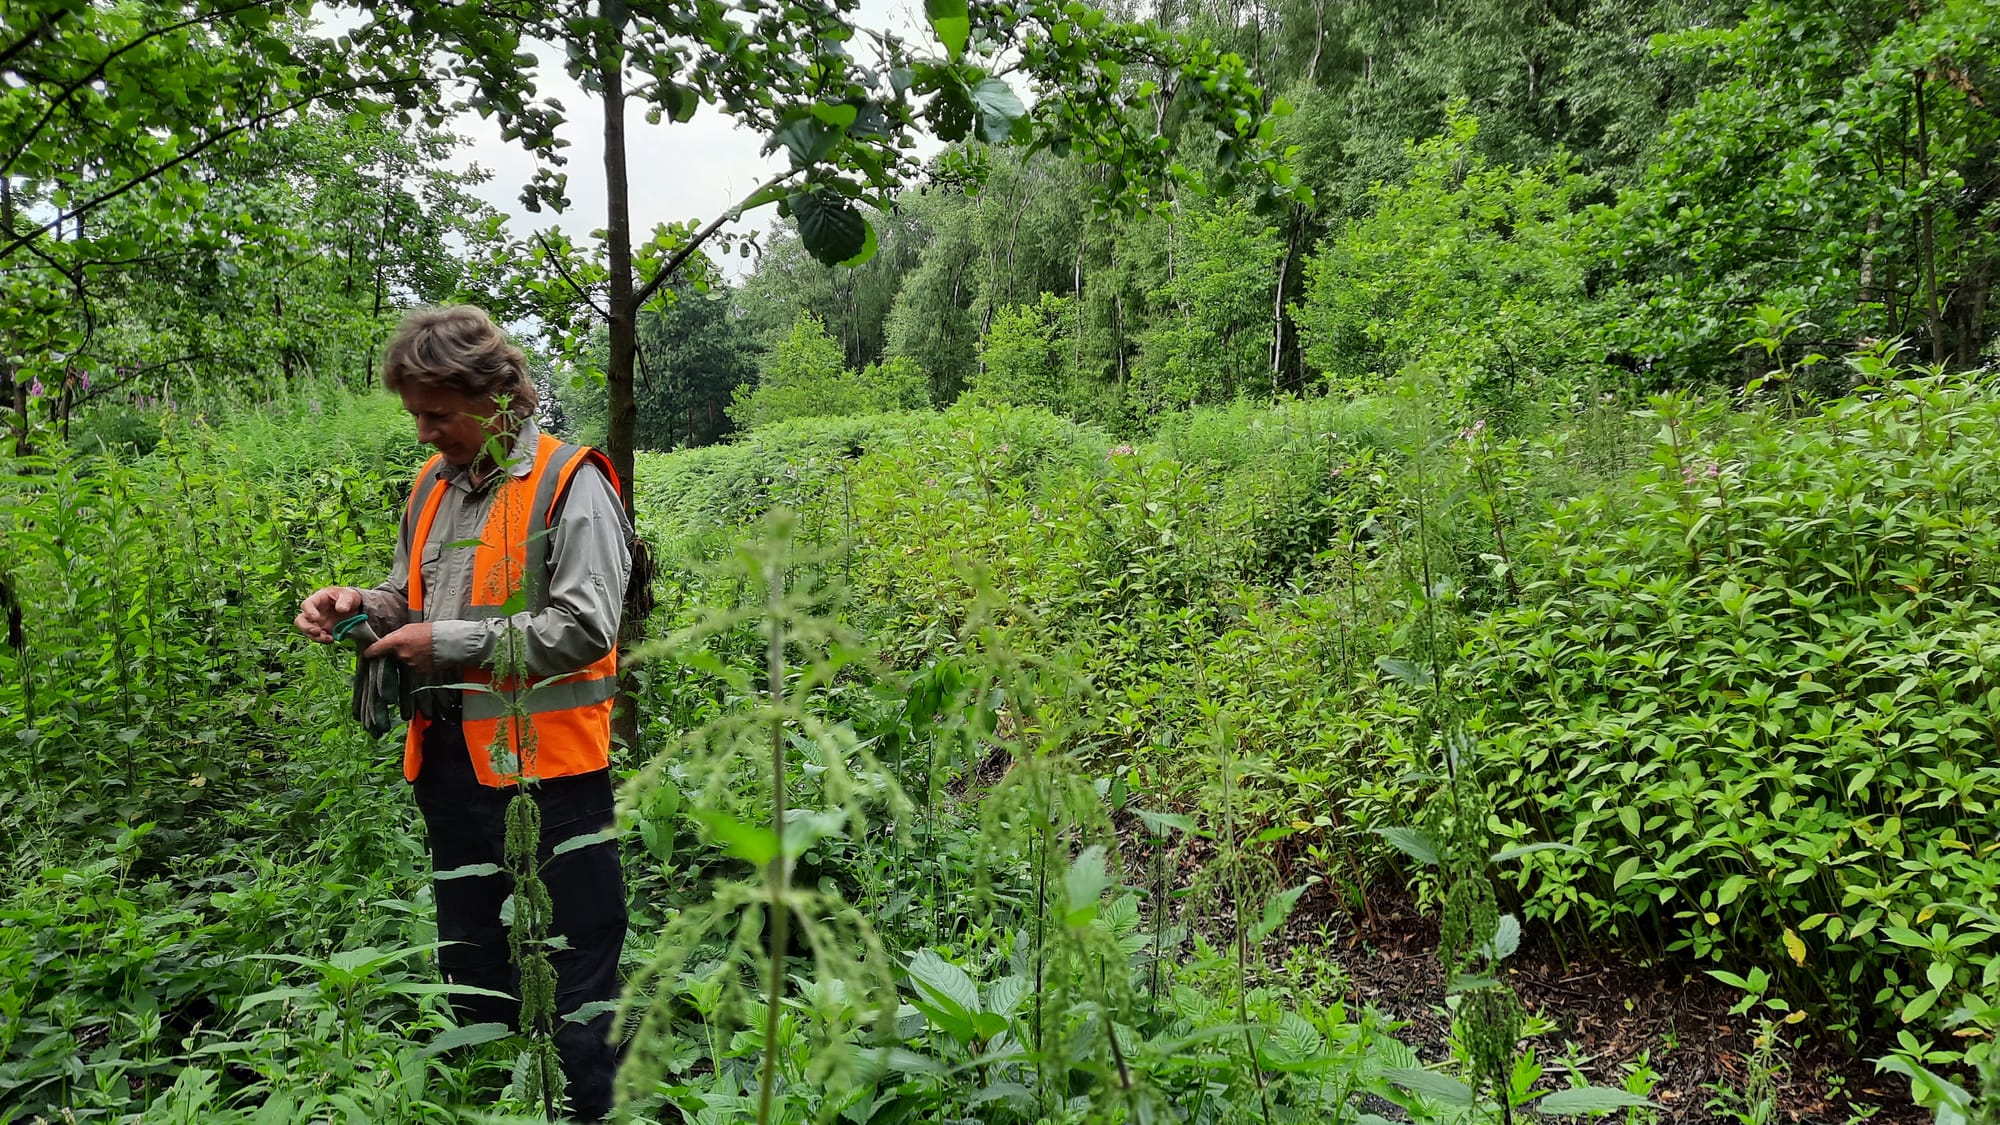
{"points": [[732, 952], [1452, 835]]}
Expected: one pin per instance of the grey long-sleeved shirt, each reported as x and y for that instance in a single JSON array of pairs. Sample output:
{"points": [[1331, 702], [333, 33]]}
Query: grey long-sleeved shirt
{"points": [[588, 569]]}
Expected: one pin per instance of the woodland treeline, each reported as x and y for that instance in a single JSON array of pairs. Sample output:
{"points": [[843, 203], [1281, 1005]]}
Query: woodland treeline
{"points": [[1529, 202]]}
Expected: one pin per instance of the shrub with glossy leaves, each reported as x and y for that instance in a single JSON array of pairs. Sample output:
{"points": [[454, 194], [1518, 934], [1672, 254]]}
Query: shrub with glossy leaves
{"points": [[1760, 687]]}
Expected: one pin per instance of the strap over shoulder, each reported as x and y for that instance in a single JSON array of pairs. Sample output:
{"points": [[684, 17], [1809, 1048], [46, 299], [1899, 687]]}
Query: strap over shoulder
{"points": [[429, 479]]}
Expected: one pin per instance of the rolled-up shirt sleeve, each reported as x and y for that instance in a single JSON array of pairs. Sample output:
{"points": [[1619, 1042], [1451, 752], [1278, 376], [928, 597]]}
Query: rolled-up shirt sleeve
{"points": [[588, 569]]}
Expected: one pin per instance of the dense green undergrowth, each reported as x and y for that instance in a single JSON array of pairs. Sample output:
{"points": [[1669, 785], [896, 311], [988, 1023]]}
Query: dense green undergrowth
{"points": [[1735, 660], [207, 910], [1741, 660], [1761, 689], [216, 906]]}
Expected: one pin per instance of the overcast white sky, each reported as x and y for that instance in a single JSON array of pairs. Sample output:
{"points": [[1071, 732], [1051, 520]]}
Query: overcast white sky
{"points": [[691, 171]]}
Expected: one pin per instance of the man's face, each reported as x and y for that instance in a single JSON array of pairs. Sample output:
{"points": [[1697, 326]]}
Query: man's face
{"points": [[456, 426]]}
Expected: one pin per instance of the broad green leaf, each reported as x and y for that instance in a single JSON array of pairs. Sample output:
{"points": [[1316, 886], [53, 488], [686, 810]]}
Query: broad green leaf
{"points": [[1405, 672], [1589, 1100], [807, 827], [1519, 850], [469, 871], [945, 995], [1002, 117], [1440, 1088], [807, 140], [1162, 823], [577, 843], [1413, 843], [658, 838], [1915, 1010], [587, 1012], [1005, 995], [868, 247], [1084, 884], [952, 23], [470, 1035], [1295, 1040], [440, 988], [830, 226], [1276, 909], [909, 1062], [753, 843], [1506, 939], [764, 196], [943, 980], [276, 994], [678, 101], [1626, 871], [1001, 1091], [839, 115]]}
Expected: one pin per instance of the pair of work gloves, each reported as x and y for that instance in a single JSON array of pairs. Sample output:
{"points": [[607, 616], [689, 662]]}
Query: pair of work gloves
{"points": [[385, 692]]}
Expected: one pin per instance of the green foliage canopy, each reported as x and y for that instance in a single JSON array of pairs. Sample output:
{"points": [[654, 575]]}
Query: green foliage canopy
{"points": [[806, 376], [1470, 272]]}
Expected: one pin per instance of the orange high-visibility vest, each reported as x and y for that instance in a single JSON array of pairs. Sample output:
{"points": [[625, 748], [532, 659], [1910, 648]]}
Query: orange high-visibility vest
{"points": [[568, 719]]}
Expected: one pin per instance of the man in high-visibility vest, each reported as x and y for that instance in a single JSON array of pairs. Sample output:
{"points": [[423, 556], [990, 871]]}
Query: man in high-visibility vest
{"points": [[520, 547]]}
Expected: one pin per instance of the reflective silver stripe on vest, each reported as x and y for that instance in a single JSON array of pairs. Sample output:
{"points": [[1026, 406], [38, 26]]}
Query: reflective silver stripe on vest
{"points": [[550, 697]]}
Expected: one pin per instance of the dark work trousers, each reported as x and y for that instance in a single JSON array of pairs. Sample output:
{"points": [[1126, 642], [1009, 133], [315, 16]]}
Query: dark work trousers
{"points": [[466, 822]]}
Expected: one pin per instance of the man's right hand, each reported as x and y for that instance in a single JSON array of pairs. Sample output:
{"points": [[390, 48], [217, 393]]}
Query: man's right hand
{"points": [[323, 609]]}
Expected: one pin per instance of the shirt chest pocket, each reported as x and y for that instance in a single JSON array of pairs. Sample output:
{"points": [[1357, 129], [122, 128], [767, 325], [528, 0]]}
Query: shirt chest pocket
{"points": [[431, 567]]}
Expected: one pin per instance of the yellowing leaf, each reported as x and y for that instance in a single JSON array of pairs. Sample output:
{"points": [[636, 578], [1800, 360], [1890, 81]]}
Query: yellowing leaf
{"points": [[1712, 918], [1796, 946], [1926, 913], [1796, 1016]]}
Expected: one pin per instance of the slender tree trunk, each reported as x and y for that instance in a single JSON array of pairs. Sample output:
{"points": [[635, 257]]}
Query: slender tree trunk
{"points": [[1973, 295], [622, 422], [288, 360], [14, 397], [389, 189], [1278, 298], [1117, 321], [1076, 320], [1969, 303], [622, 408], [1929, 244], [16, 394], [1865, 291], [1319, 41]]}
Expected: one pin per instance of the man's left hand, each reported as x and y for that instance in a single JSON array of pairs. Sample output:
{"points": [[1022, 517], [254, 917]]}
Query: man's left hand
{"points": [[411, 645]]}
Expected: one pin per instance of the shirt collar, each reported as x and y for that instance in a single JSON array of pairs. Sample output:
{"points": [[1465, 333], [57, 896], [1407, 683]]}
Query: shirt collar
{"points": [[525, 438]]}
